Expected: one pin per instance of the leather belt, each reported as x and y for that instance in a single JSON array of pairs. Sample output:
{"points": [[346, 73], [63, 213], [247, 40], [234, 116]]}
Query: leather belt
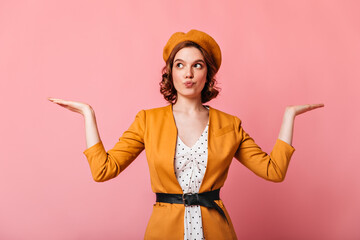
{"points": [[205, 199]]}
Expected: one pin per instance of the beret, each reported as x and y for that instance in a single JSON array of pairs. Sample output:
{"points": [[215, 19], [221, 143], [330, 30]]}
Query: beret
{"points": [[204, 40]]}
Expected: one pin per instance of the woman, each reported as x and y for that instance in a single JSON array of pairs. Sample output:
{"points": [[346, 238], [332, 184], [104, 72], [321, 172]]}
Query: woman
{"points": [[189, 146]]}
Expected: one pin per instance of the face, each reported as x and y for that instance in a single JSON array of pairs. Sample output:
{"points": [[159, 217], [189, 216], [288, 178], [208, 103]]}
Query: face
{"points": [[189, 72]]}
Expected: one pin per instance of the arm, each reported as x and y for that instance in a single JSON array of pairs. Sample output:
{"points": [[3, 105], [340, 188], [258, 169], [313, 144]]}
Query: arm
{"points": [[273, 166], [106, 165], [91, 129]]}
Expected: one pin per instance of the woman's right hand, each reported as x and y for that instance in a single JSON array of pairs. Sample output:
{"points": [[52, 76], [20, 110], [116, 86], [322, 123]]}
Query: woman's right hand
{"points": [[78, 107]]}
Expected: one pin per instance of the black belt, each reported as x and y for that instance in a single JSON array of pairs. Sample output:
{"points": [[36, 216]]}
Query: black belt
{"points": [[205, 199]]}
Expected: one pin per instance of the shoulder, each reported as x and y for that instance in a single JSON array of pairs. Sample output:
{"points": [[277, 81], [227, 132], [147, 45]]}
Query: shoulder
{"points": [[158, 110], [221, 116], [153, 111], [221, 113], [154, 115]]}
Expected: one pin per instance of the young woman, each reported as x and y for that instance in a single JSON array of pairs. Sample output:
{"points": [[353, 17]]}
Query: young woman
{"points": [[189, 145]]}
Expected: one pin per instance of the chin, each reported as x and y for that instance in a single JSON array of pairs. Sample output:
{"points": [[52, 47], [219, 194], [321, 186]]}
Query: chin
{"points": [[191, 96]]}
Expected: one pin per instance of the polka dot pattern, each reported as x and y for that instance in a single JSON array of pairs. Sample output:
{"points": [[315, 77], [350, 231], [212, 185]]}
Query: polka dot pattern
{"points": [[190, 165]]}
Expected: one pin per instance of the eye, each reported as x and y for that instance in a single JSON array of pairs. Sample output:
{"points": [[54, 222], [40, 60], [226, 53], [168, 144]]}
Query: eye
{"points": [[179, 65], [198, 65]]}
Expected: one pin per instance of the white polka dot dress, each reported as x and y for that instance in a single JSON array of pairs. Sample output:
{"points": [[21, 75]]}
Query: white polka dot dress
{"points": [[190, 165]]}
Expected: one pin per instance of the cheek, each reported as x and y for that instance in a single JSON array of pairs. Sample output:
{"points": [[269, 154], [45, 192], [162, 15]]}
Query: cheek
{"points": [[175, 76], [202, 76], [203, 84]]}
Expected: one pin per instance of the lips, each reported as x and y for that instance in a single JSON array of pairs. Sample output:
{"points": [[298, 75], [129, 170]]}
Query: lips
{"points": [[189, 84]]}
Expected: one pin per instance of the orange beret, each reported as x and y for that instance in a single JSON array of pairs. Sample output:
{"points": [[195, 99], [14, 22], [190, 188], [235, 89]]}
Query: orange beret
{"points": [[204, 40]]}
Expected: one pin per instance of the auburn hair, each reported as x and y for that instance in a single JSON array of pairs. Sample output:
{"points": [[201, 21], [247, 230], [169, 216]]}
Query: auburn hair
{"points": [[167, 88]]}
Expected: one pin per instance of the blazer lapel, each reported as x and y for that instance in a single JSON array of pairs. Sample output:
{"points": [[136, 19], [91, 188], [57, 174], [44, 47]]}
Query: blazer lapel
{"points": [[166, 169], [204, 184]]}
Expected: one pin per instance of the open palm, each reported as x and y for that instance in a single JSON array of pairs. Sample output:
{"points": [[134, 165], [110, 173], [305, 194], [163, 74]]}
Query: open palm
{"points": [[78, 107], [299, 109]]}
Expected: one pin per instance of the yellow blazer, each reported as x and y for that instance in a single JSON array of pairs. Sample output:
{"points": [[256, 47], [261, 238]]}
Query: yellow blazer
{"points": [[155, 131]]}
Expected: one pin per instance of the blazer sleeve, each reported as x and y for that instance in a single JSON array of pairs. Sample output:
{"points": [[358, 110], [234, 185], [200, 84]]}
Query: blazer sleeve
{"points": [[271, 166], [106, 165]]}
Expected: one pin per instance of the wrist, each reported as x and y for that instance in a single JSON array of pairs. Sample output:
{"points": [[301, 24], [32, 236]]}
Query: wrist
{"points": [[88, 112], [289, 113]]}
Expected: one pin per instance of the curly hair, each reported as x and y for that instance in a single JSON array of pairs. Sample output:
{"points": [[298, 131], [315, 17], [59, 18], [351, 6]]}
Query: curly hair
{"points": [[167, 88]]}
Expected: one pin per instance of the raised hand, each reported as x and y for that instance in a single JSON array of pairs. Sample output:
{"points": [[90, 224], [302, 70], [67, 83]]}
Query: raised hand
{"points": [[91, 130], [78, 107], [299, 109], [287, 127]]}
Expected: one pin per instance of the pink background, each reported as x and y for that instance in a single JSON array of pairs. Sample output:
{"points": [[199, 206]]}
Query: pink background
{"points": [[109, 54]]}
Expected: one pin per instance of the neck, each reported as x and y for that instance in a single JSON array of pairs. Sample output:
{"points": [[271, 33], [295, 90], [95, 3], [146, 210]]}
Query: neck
{"points": [[188, 105]]}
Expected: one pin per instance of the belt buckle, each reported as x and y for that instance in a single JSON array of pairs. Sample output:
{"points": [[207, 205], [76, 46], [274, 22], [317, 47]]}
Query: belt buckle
{"points": [[184, 200], [186, 203]]}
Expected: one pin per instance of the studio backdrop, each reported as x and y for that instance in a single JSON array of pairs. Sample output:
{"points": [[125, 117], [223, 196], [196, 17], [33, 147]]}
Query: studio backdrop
{"points": [[109, 55]]}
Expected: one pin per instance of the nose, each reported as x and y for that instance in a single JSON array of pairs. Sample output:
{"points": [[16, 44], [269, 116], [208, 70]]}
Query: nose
{"points": [[189, 73]]}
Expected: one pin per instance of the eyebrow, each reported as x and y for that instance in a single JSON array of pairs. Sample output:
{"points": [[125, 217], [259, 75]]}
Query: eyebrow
{"points": [[198, 60]]}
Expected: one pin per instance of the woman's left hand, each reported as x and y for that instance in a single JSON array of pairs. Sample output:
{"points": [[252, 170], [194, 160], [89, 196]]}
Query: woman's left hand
{"points": [[286, 130], [299, 109]]}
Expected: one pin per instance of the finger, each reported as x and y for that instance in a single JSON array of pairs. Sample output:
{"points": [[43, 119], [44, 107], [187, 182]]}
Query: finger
{"points": [[56, 100], [63, 105], [61, 101], [313, 106], [309, 107], [52, 99]]}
